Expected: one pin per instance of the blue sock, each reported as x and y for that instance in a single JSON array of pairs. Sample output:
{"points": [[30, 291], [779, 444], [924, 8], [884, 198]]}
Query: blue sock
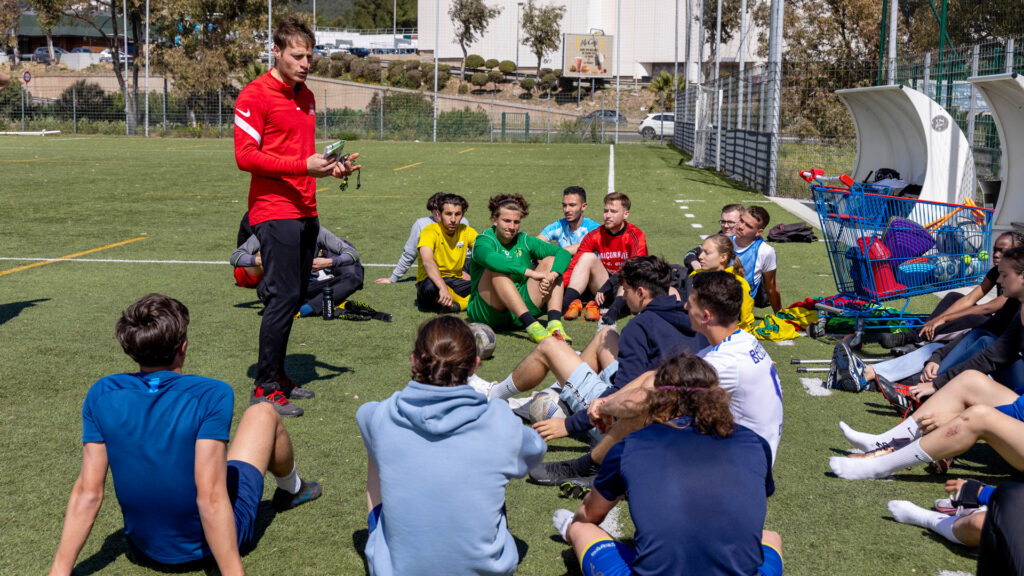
{"points": [[305, 310]]}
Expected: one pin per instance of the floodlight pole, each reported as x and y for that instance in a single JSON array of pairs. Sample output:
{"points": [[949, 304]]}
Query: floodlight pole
{"points": [[147, 68], [124, 16], [394, 27], [618, 64], [893, 16], [743, 61], [519, 6], [437, 46], [675, 56]]}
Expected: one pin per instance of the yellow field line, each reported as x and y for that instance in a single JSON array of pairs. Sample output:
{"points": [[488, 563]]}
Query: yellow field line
{"points": [[409, 166], [69, 256], [349, 196], [466, 150], [27, 160], [198, 194]]}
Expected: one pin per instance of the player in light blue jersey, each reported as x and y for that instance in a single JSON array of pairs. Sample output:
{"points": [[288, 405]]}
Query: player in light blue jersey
{"points": [[569, 231]]}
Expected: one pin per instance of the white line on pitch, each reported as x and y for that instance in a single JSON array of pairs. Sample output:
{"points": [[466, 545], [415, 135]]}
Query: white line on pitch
{"points": [[688, 215], [122, 261], [697, 225]]}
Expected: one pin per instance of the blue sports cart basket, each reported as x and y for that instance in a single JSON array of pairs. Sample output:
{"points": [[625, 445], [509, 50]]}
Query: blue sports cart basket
{"points": [[883, 248]]}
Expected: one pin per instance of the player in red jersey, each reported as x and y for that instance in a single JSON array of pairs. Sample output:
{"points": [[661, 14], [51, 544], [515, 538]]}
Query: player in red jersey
{"points": [[599, 257], [275, 123]]}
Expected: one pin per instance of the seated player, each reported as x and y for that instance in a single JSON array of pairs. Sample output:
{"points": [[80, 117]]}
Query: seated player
{"points": [[336, 266], [185, 495], [506, 291], [442, 283], [728, 222], [980, 349], [693, 461], [600, 255], [569, 231], [410, 250], [744, 370], [957, 313], [717, 255], [660, 329], [758, 258], [1002, 549], [959, 518], [439, 457]]}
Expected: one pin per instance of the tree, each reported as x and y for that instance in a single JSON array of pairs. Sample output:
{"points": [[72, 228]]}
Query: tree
{"points": [[479, 79], [542, 29], [527, 84], [474, 61], [10, 22], [665, 89], [470, 19], [730, 22], [491, 63], [366, 14], [48, 13], [494, 76]]}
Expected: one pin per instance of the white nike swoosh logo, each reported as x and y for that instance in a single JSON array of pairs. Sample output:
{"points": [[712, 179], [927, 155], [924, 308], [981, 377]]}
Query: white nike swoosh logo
{"points": [[247, 113]]}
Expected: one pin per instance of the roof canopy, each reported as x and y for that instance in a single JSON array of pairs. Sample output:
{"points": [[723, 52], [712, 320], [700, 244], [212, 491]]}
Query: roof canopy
{"points": [[903, 129], [1004, 94]]}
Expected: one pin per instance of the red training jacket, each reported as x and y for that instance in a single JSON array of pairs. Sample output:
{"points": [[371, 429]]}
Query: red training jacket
{"points": [[275, 129], [612, 249]]}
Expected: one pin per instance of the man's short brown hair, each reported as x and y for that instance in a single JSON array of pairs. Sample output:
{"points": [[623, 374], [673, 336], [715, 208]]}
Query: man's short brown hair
{"points": [[153, 329], [293, 29], [617, 197], [759, 214]]}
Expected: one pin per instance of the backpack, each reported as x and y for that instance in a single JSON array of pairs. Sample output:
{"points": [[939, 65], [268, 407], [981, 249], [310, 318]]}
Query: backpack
{"points": [[798, 232]]}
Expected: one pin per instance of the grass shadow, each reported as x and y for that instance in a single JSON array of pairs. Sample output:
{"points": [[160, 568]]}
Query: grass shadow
{"points": [[254, 305], [957, 549], [359, 538], [11, 310], [305, 368], [114, 545]]}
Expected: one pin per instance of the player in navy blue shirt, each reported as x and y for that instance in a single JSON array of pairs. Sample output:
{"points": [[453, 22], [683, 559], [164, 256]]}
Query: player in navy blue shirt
{"points": [[693, 462], [185, 496]]}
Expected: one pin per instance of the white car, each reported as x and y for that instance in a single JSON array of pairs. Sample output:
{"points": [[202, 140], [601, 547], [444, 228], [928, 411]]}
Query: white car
{"points": [[661, 124]]}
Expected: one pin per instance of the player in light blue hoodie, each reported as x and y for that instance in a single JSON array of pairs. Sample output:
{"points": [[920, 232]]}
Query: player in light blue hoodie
{"points": [[440, 455]]}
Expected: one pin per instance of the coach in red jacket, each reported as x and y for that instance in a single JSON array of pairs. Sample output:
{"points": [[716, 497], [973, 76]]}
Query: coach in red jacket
{"points": [[275, 122]]}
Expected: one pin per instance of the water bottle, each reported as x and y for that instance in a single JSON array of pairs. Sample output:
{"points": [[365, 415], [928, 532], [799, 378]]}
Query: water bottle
{"points": [[328, 303]]}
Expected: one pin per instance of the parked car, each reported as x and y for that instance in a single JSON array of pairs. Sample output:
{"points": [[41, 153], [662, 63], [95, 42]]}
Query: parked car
{"points": [[81, 50], [42, 54], [320, 49], [359, 52], [108, 56], [654, 125], [606, 116]]}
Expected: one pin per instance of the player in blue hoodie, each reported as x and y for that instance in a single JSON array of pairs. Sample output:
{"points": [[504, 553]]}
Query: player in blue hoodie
{"points": [[422, 442]]}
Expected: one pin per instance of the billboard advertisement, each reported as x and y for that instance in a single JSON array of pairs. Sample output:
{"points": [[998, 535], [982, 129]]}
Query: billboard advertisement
{"points": [[587, 55]]}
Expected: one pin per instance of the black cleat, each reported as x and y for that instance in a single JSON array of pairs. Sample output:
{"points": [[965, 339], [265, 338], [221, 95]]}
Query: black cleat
{"points": [[285, 500], [554, 473], [892, 340], [576, 488], [291, 391]]}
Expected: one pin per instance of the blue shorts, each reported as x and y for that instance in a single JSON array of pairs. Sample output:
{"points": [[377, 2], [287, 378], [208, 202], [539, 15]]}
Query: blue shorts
{"points": [[373, 518], [584, 385], [611, 558], [245, 489], [1015, 410]]}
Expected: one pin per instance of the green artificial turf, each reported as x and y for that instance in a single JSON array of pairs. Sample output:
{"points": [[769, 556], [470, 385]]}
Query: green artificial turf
{"points": [[184, 198]]}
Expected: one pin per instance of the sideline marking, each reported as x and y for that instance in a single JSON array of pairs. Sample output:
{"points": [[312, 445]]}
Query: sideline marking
{"points": [[409, 166], [27, 160], [697, 225], [70, 256], [688, 215], [815, 387], [466, 150], [41, 261], [187, 147]]}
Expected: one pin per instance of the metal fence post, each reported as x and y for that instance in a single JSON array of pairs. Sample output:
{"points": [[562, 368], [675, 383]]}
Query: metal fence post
{"points": [[775, 62], [491, 130], [325, 113], [22, 107], [74, 109], [728, 106], [220, 113], [1009, 56], [970, 105], [927, 72], [661, 134], [761, 108], [165, 105], [549, 116], [602, 122], [750, 102], [382, 114]]}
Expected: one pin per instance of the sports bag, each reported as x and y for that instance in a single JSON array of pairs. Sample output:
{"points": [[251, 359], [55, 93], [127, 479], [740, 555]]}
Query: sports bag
{"points": [[798, 232]]}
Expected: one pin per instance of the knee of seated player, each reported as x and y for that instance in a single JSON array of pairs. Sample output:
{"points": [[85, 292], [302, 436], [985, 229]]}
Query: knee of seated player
{"points": [[262, 413], [545, 264], [553, 351], [978, 418]]}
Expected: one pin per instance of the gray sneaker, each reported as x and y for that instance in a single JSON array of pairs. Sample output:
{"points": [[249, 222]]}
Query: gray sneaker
{"points": [[278, 400]]}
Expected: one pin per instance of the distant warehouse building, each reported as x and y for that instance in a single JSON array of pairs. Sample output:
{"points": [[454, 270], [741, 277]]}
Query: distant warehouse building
{"points": [[647, 43]]}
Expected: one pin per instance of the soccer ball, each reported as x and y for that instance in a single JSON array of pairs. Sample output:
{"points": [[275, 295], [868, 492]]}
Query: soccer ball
{"points": [[972, 238], [946, 269], [485, 339], [547, 405]]}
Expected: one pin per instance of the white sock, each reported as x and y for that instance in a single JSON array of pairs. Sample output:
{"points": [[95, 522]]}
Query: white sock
{"points": [[504, 389], [907, 429], [880, 466], [291, 482], [561, 520], [910, 513]]}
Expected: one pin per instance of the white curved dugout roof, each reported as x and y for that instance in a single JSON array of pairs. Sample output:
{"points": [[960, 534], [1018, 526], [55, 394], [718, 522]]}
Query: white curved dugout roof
{"points": [[1004, 94], [903, 129]]}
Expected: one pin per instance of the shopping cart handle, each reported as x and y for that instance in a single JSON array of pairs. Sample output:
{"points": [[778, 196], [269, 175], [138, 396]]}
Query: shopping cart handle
{"points": [[830, 309], [846, 180]]}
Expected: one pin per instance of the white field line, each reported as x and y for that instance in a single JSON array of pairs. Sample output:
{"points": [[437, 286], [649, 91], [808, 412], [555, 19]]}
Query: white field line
{"points": [[815, 387], [125, 261]]}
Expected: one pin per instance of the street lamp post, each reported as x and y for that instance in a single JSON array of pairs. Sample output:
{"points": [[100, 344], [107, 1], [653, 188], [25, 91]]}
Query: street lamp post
{"points": [[394, 25]]}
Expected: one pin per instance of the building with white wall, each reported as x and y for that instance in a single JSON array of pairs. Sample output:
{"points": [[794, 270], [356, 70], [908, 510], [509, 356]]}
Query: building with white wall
{"points": [[646, 34]]}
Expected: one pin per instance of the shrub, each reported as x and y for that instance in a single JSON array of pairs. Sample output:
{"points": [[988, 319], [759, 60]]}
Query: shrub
{"points": [[491, 63], [445, 68], [527, 84], [544, 72], [494, 76], [356, 69], [92, 102], [409, 65], [413, 79], [395, 75], [463, 88], [337, 69], [339, 55], [474, 61], [442, 80], [548, 82], [479, 80], [323, 67], [507, 67], [371, 72]]}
